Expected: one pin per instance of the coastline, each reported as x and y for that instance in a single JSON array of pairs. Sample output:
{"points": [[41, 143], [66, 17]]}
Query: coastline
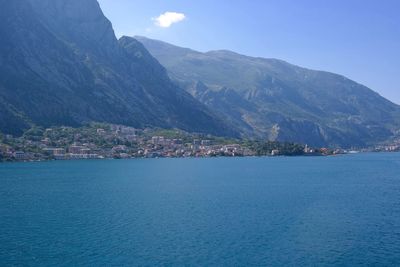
{"points": [[192, 157]]}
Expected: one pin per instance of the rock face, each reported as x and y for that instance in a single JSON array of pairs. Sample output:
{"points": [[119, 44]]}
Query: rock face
{"points": [[61, 64], [273, 99]]}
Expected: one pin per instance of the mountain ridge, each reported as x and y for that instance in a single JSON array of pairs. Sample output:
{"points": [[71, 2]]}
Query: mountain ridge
{"points": [[61, 64], [292, 103]]}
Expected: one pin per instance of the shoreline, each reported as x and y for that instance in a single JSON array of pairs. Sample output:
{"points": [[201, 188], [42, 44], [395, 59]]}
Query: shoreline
{"points": [[216, 157]]}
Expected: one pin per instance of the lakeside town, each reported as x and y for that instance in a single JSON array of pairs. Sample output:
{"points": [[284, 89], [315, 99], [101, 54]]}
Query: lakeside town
{"points": [[106, 141]]}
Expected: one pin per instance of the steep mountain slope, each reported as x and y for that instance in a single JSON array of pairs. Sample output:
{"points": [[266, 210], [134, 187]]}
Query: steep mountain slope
{"points": [[61, 64], [274, 99]]}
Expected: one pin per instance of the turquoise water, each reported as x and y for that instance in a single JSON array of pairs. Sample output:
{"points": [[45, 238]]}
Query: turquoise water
{"points": [[302, 211]]}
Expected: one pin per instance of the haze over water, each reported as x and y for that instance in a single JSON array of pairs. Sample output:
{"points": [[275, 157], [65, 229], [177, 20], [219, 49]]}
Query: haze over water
{"points": [[341, 211]]}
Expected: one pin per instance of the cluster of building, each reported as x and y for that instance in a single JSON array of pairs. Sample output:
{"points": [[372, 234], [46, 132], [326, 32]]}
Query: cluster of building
{"points": [[105, 143], [160, 146], [115, 142], [388, 148], [72, 152], [8, 152]]}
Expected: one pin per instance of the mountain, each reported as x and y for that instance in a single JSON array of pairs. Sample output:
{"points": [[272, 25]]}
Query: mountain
{"points": [[273, 99], [61, 64]]}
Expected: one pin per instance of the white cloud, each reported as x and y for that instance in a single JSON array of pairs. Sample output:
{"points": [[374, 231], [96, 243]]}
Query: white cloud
{"points": [[168, 18]]}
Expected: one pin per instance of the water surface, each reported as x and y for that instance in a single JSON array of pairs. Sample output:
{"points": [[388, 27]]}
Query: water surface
{"points": [[302, 211]]}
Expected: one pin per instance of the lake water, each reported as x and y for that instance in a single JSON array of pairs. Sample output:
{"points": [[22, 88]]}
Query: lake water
{"points": [[302, 211]]}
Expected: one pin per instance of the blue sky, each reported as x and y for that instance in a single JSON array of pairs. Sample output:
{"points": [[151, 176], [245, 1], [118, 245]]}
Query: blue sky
{"points": [[356, 38]]}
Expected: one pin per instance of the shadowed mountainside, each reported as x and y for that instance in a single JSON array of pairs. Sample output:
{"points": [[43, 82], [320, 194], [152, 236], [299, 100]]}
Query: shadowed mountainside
{"points": [[61, 64]]}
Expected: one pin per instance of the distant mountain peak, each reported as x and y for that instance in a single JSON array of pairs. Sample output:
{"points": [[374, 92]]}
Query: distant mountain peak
{"points": [[61, 64], [307, 106]]}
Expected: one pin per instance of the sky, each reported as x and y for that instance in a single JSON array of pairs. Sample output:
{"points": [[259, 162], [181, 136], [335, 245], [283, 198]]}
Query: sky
{"points": [[359, 39]]}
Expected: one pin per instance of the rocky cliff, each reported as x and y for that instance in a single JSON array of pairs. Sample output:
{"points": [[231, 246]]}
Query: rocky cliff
{"points": [[61, 64]]}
